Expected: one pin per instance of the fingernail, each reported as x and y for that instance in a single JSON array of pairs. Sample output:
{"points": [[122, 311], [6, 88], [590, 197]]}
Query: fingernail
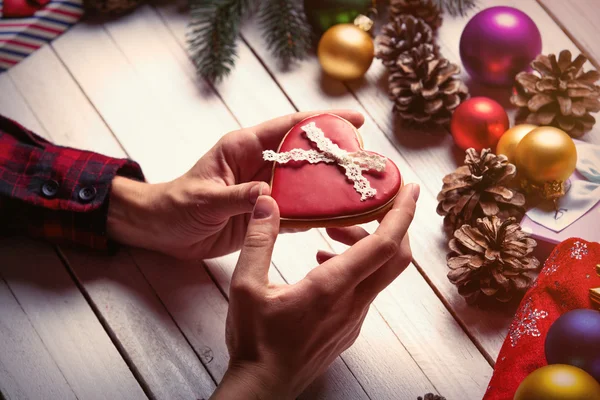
{"points": [[255, 193], [262, 208], [415, 191]]}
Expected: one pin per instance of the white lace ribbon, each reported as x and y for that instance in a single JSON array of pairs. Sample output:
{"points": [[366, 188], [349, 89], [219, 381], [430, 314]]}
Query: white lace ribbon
{"points": [[353, 163]]}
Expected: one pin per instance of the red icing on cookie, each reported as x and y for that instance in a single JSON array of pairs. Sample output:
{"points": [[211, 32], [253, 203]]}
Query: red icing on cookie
{"points": [[322, 191]]}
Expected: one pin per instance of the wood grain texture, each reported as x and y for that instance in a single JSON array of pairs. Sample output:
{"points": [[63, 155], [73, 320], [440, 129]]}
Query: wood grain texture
{"points": [[65, 323], [138, 320], [14, 106], [164, 362], [60, 106], [27, 370], [579, 20]]}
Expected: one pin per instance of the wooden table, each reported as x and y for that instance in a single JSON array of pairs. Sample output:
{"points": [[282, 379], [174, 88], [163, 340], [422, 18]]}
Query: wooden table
{"points": [[140, 325]]}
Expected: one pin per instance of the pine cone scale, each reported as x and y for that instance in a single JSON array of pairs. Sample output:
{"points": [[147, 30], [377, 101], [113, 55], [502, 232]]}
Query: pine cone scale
{"points": [[479, 189], [431, 81], [561, 96], [426, 10], [492, 259]]}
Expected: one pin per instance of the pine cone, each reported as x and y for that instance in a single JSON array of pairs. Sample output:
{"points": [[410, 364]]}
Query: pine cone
{"points": [[400, 35], [431, 396], [426, 10], [478, 190], [492, 258], [424, 87], [563, 96]]}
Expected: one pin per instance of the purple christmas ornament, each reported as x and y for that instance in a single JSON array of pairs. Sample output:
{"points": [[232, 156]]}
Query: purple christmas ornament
{"points": [[498, 43], [574, 339]]}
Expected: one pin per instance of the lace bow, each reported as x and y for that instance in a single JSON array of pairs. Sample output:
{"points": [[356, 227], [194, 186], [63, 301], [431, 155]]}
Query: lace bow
{"points": [[353, 163]]}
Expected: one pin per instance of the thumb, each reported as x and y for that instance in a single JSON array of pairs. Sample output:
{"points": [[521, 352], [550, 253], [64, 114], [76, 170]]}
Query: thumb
{"points": [[255, 257], [239, 199]]}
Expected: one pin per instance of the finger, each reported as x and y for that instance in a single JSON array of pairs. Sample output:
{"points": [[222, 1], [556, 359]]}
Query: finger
{"points": [[348, 235], [323, 256], [271, 132], [239, 199], [362, 259], [255, 258], [384, 276]]}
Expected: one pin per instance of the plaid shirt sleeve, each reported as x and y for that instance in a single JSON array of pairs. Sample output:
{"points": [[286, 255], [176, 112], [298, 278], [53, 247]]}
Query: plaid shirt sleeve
{"points": [[56, 193]]}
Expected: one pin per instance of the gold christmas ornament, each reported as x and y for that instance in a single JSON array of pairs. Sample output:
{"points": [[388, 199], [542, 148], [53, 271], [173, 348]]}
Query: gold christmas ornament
{"points": [[511, 138], [558, 382], [545, 158], [345, 52]]}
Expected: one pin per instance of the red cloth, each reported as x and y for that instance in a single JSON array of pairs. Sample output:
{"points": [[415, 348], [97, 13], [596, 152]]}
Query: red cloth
{"points": [[53, 192], [563, 285]]}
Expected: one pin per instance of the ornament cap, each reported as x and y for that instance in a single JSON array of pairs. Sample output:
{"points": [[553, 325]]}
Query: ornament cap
{"points": [[363, 22], [550, 190]]}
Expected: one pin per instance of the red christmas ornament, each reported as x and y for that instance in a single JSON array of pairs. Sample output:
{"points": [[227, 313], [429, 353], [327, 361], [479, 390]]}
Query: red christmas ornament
{"points": [[479, 123]]}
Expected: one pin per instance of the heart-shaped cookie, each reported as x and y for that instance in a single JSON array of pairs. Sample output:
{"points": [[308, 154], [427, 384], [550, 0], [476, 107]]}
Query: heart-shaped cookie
{"points": [[318, 193]]}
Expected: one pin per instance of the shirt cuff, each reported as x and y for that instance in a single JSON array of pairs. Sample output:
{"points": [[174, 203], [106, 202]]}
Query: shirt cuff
{"points": [[65, 198]]}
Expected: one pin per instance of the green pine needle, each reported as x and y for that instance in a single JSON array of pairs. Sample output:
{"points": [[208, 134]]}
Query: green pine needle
{"points": [[212, 33], [456, 7], [286, 32]]}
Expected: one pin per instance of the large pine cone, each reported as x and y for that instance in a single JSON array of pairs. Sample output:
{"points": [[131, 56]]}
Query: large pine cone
{"points": [[562, 96], [492, 258], [478, 189], [400, 35], [426, 10], [425, 88]]}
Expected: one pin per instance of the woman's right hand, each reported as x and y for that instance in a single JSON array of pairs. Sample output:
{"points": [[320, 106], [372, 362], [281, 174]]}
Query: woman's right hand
{"points": [[281, 337]]}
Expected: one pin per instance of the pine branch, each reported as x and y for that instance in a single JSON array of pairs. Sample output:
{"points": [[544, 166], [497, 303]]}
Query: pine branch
{"points": [[285, 29], [456, 7], [212, 33]]}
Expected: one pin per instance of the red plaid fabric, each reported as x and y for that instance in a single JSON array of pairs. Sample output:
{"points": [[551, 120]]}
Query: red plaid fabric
{"points": [[53, 192]]}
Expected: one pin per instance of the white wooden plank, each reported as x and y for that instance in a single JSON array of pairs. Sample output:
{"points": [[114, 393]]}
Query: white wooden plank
{"points": [[193, 301], [147, 334], [164, 361], [59, 104], [27, 370], [66, 324], [158, 49], [428, 241], [579, 20], [13, 105], [294, 253], [249, 92]]}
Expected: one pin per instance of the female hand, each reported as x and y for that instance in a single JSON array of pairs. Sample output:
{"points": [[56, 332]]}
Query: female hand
{"points": [[281, 337], [204, 213]]}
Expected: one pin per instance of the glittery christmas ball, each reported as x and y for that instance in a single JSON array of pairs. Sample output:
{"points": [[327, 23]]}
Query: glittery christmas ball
{"points": [[574, 339]]}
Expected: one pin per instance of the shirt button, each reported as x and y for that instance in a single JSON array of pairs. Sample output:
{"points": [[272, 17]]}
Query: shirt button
{"points": [[50, 189], [87, 194]]}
